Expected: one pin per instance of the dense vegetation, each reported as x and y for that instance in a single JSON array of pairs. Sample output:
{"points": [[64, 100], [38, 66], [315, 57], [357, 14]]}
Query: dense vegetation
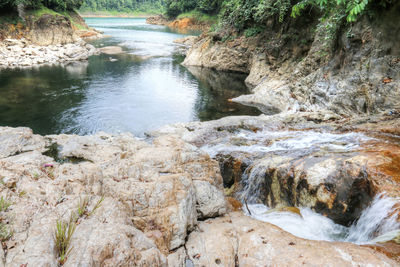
{"points": [[60, 5], [126, 6], [240, 15]]}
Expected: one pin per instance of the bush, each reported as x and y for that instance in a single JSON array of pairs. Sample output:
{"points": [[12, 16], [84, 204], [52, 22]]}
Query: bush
{"points": [[252, 31], [352, 9]]}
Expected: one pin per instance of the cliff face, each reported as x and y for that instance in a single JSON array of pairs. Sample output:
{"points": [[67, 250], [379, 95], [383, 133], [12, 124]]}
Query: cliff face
{"points": [[50, 30], [306, 66]]}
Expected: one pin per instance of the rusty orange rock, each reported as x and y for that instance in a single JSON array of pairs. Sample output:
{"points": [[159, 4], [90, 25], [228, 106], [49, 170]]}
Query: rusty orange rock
{"points": [[182, 23]]}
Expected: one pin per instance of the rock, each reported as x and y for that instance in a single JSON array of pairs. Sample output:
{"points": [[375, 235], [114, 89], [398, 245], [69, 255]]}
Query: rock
{"points": [[274, 160], [154, 195], [51, 30], [32, 55], [188, 40], [206, 53], [112, 50], [108, 238], [178, 258], [18, 140], [237, 240], [157, 20], [354, 74], [211, 201]]}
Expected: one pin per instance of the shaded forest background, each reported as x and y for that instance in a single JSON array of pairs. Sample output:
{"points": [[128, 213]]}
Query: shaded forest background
{"points": [[249, 16]]}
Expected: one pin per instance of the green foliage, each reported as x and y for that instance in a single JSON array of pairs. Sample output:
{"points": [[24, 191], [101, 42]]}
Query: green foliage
{"points": [[242, 14], [122, 6], [209, 6], [252, 31], [62, 238], [352, 9], [5, 231], [83, 204], [98, 205], [58, 5], [175, 7], [62, 5], [198, 16], [4, 204]]}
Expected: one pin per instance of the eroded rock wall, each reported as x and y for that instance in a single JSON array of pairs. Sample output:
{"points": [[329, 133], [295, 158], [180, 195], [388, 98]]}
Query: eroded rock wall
{"points": [[306, 66]]}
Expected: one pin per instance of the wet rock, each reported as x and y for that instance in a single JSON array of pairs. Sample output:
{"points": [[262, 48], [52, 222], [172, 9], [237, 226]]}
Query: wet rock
{"points": [[313, 164], [237, 240], [111, 50], [390, 249]]}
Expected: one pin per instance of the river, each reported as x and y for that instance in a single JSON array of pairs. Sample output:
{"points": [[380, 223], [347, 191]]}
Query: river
{"points": [[137, 91]]}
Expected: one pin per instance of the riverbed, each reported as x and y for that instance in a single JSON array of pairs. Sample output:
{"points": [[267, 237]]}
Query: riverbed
{"points": [[136, 91]]}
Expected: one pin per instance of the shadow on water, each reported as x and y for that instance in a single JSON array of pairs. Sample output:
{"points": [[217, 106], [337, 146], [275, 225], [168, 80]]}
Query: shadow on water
{"points": [[138, 91], [215, 90]]}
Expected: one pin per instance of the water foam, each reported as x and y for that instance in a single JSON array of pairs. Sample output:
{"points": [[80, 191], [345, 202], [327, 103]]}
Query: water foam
{"points": [[377, 223], [274, 141]]}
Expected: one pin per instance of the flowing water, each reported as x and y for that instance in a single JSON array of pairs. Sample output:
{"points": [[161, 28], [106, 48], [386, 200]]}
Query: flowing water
{"points": [[138, 91], [375, 223], [378, 222], [145, 88]]}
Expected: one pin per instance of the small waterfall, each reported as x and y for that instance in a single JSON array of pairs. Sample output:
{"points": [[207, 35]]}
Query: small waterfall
{"points": [[377, 223], [378, 219], [253, 181]]}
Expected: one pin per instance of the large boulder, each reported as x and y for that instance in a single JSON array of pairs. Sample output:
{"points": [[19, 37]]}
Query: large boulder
{"points": [[237, 240]]}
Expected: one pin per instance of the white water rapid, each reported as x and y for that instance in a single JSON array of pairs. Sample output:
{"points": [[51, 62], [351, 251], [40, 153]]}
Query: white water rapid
{"points": [[376, 223]]}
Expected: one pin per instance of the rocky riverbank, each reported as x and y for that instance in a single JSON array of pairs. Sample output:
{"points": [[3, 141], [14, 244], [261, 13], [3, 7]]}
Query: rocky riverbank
{"points": [[157, 203], [182, 24], [20, 53], [353, 70], [46, 39]]}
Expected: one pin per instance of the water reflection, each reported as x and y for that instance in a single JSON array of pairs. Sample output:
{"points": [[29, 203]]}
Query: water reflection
{"points": [[215, 90], [137, 91]]}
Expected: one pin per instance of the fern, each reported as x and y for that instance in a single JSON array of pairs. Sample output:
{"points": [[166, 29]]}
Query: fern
{"points": [[353, 8]]}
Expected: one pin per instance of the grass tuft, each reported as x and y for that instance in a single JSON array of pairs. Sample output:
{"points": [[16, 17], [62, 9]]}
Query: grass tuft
{"points": [[62, 237], [4, 204], [5, 232], [82, 206], [98, 205]]}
